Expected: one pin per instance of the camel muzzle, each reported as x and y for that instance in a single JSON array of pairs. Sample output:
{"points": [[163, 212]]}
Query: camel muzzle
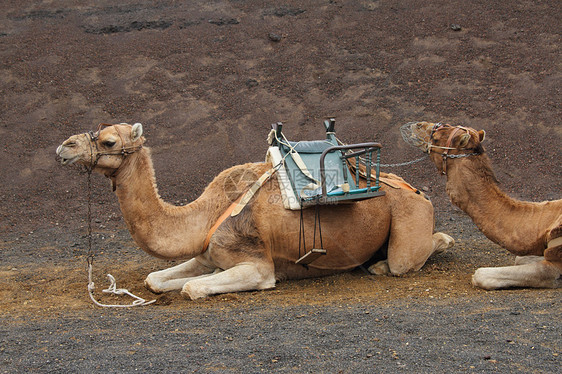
{"points": [[65, 159]]}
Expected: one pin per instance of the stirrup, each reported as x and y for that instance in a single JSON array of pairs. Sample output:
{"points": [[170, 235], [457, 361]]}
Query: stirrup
{"points": [[311, 256]]}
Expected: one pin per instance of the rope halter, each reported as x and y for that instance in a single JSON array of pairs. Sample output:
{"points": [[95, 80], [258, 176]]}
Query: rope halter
{"points": [[96, 154], [416, 141]]}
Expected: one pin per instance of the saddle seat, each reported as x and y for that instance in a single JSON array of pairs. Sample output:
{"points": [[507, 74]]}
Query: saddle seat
{"points": [[317, 172]]}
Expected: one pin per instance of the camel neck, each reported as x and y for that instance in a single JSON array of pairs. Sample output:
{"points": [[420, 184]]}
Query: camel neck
{"points": [[472, 186], [157, 227]]}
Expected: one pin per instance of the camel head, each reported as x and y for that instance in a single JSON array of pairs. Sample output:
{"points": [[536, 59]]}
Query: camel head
{"points": [[446, 141], [102, 151]]}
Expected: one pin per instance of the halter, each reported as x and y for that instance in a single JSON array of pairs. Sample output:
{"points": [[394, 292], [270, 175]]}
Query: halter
{"points": [[445, 154], [123, 152]]}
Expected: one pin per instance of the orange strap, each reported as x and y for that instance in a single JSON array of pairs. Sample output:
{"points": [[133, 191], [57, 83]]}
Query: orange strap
{"points": [[221, 219], [240, 203]]}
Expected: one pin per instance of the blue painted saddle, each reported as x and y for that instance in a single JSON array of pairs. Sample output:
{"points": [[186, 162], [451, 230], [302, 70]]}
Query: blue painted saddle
{"points": [[318, 170]]}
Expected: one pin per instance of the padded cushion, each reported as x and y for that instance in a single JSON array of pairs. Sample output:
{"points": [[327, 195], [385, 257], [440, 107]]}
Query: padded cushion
{"points": [[311, 146], [309, 152]]}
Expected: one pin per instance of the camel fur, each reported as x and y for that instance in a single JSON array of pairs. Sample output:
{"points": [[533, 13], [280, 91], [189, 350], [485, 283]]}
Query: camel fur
{"points": [[530, 230], [254, 249]]}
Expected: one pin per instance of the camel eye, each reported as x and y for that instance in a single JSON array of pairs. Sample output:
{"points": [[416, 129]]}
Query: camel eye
{"points": [[109, 143]]}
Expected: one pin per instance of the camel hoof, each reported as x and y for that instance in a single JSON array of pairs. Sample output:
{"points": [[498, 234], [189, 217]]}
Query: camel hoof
{"points": [[149, 284], [442, 242], [380, 268], [192, 293], [484, 278]]}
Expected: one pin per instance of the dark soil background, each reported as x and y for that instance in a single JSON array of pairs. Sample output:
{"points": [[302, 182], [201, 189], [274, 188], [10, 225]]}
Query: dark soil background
{"points": [[206, 79]]}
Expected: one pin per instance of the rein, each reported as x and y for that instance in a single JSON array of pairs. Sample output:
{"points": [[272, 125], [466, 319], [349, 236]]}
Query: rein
{"points": [[112, 289]]}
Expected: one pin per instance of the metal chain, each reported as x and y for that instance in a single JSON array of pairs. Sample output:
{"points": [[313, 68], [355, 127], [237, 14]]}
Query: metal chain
{"points": [[406, 132], [421, 159], [397, 165], [389, 165], [403, 163]]}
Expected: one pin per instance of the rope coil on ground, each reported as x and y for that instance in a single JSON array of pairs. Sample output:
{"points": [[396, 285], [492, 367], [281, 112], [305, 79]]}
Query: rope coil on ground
{"points": [[112, 289]]}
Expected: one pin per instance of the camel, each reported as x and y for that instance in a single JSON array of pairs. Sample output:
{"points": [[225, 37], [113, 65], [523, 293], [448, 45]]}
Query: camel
{"points": [[258, 247], [530, 230]]}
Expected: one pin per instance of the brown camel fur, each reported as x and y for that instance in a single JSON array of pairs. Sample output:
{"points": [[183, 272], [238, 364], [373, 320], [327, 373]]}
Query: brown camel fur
{"points": [[260, 245], [524, 228]]}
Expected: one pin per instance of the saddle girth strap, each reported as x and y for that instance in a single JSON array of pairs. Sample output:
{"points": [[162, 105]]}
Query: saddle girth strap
{"points": [[236, 207]]}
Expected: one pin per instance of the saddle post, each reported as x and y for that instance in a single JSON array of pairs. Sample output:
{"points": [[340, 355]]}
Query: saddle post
{"points": [[368, 167], [357, 174]]}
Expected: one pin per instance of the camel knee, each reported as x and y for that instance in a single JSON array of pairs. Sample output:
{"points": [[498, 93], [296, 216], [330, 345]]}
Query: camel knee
{"points": [[403, 267], [483, 278], [158, 283], [154, 283], [193, 291]]}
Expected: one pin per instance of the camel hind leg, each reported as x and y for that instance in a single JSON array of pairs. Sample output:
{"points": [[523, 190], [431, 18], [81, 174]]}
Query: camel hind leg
{"points": [[411, 240], [441, 242]]}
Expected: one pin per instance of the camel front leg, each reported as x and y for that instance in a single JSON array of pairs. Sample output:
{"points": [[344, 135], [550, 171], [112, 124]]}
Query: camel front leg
{"points": [[174, 278], [529, 271], [245, 276], [522, 260], [541, 274]]}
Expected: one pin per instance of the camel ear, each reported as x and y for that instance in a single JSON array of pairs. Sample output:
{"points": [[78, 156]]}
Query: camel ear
{"points": [[464, 140], [136, 132], [482, 135]]}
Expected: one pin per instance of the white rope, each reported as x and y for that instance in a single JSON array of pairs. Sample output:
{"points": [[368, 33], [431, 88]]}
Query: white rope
{"points": [[90, 260], [112, 289]]}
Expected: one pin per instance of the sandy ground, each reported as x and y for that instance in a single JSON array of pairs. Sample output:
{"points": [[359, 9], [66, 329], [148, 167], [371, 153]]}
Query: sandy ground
{"points": [[207, 79]]}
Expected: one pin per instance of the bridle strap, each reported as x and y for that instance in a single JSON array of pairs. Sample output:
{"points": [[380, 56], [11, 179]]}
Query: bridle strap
{"points": [[448, 147], [435, 128], [123, 152], [445, 154]]}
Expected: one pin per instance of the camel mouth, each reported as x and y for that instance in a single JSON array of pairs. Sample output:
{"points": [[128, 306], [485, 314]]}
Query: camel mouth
{"points": [[65, 160], [68, 161]]}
